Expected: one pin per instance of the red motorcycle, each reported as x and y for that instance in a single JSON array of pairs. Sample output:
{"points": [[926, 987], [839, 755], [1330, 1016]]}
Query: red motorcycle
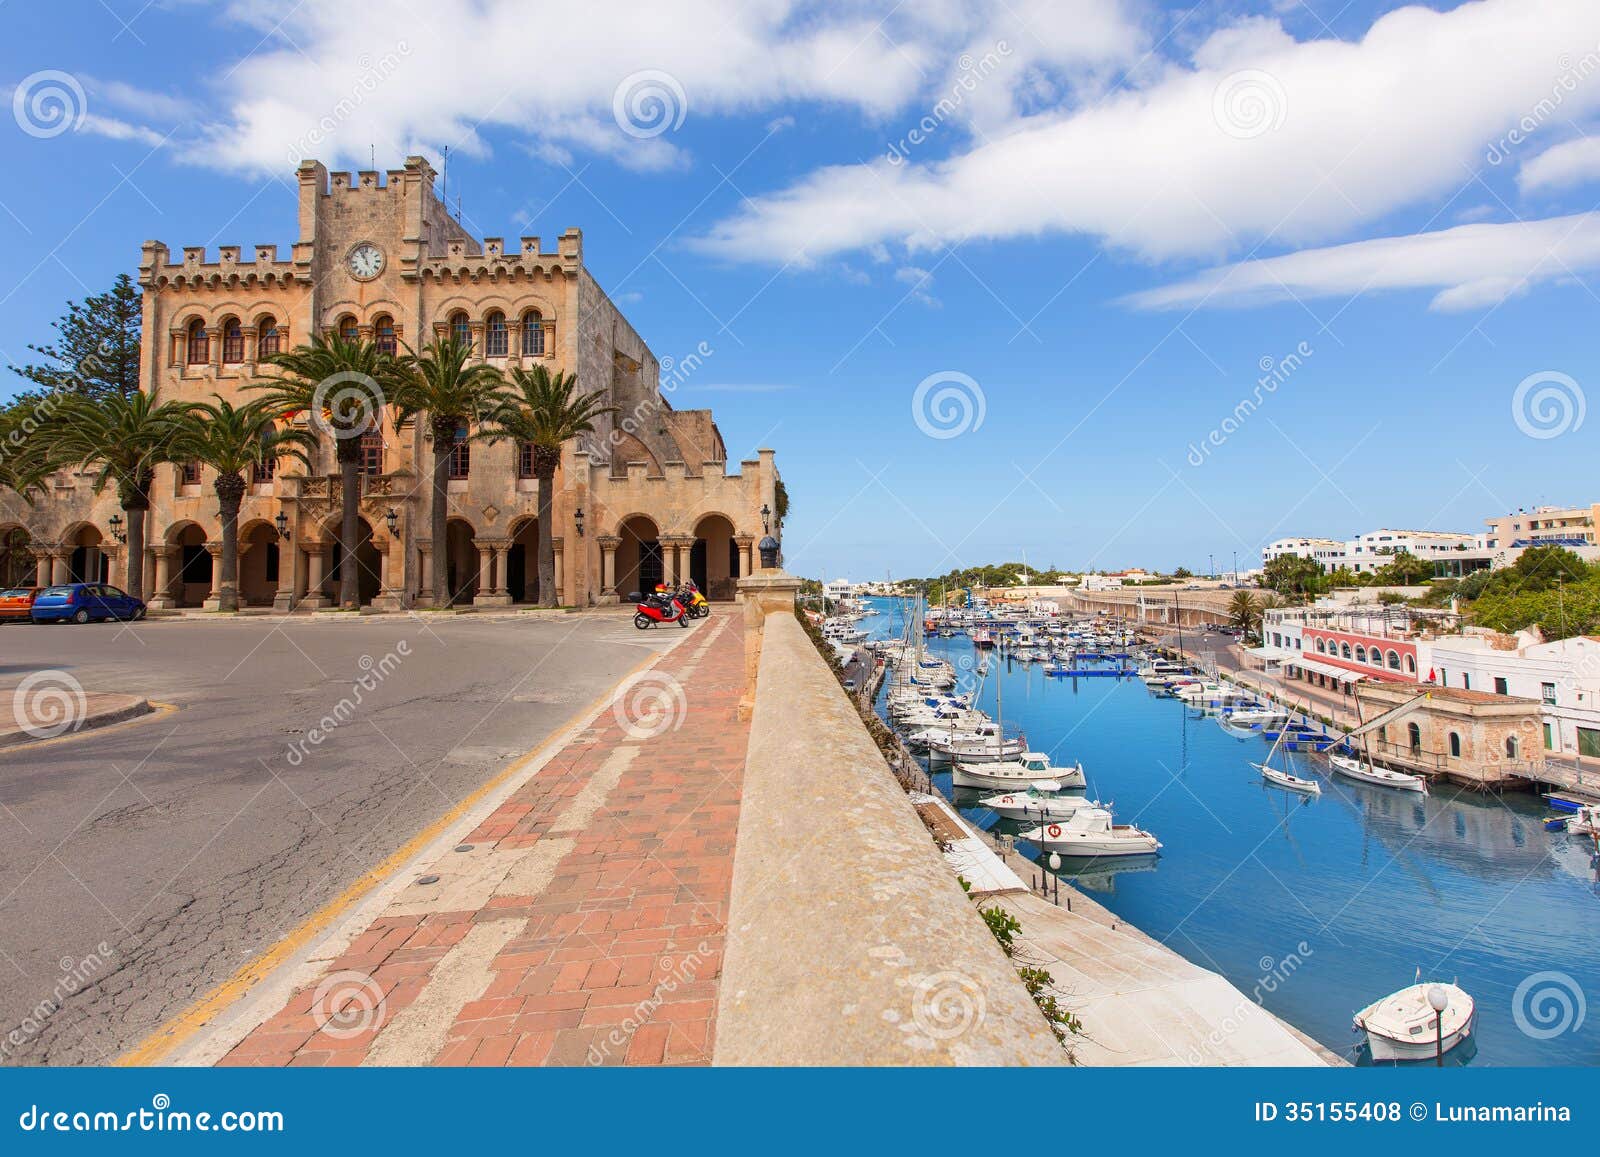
{"points": [[659, 608]]}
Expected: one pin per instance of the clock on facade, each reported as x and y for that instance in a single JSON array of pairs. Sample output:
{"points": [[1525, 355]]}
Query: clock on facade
{"points": [[365, 261]]}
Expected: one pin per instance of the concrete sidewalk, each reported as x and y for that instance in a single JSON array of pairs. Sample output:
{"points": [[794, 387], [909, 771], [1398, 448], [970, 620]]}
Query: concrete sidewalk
{"points": [[582, 922], [45, 711]]}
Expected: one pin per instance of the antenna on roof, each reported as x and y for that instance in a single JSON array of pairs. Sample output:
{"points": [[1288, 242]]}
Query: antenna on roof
{"points": [[372, 156], [447, 176]]}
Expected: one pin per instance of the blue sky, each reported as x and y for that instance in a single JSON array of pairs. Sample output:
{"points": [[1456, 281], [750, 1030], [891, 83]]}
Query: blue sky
{"points": [[1118, 215]]}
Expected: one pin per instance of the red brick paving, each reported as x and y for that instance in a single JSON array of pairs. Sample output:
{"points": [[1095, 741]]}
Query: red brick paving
{"points": [[618, 959]]}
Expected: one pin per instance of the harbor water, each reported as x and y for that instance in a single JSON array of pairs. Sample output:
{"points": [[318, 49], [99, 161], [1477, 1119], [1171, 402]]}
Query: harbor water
{"points": [[1315, 906]]}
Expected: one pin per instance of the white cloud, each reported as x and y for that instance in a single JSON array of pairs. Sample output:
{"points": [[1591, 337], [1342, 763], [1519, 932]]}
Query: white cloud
{"points": [[410, 77], [920, 284], [1256, 138], [120, 130], [1573, 163], [1467, 267]]}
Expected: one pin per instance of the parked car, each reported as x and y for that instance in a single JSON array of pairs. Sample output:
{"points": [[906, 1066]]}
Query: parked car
{"points": [[81, 602], [15, 602]]}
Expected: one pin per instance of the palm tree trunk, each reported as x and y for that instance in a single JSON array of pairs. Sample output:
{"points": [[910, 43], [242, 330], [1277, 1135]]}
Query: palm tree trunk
{"points": [[444, 441], [133, 511], [350, 499], [548, 595], [230, 493]]}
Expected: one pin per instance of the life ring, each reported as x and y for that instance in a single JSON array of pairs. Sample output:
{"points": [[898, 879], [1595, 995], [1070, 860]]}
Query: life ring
{"points": [[1053, 830]]}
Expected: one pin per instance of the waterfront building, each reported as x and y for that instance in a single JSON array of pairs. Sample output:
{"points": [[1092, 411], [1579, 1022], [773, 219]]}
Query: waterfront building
{"points": [[1563, 677], [1470, 735], [1569, 526], [1451, 553], [649, 497]]}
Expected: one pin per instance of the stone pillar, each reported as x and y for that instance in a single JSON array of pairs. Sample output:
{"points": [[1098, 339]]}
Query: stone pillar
{"points": [[558, 549], [41, 571], [745, 543], [316, 556], [115, 557], [161, 592], [768, 593], [608, 568], [492, 573], [59, 571], [213, 600], [391, 588], [425, 573]]}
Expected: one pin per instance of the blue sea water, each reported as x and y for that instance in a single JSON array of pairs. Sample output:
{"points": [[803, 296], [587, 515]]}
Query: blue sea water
{"points": [[1317, 907]]}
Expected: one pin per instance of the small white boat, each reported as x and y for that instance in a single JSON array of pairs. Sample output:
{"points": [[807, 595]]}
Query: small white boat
{"points": [[1039, 802], [1381, 776], [1088, 831], [975, 747], [1404, 1027], [1284, 779], [1032, 767], [1255, 716], [1585, 821]]}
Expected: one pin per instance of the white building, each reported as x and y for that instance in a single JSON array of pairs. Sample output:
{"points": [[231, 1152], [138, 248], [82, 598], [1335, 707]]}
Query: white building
{"points": [[1564, 676], [1450, 552]]}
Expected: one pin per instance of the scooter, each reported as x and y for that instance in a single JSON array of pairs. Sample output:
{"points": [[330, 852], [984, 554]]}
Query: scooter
{"points": [[659, 608], [698, 606]]}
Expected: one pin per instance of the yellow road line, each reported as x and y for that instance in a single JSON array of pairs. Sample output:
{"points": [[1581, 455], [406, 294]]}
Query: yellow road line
{"points": [[183, 1026]]}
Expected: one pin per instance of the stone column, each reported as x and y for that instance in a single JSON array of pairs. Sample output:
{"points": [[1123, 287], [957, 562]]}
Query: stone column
{"points": [[608, 567], [669, 559], [316, 555], [59, 572], [41, 565], [745, 543], [391, 588], [161, 592], [213, 600], [115, 557], [558, 549], [492, 573], [425, 573]]}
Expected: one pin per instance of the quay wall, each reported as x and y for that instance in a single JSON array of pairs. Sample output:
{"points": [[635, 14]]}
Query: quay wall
{"points": [[1158, 606], [851, 942]]}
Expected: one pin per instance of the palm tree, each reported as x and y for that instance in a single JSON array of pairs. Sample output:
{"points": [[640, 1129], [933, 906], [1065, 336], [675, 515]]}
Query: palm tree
{"points": [[123, 438], [545, 410], [442, 383], [1244, 610], [342, 386], [233, 440]]}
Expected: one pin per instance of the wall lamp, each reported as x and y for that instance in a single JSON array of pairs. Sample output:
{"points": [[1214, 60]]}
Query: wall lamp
{"points": [[393, 519], [282, 523], [766, 519], [117, 532], [577, 520]]}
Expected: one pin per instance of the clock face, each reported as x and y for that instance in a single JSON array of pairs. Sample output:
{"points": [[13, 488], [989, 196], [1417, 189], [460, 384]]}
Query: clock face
{"points": [[365, 261]]}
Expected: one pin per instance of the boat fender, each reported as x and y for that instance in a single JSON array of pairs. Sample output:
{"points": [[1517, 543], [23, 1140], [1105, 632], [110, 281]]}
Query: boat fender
{"points": [[1053, 830]]}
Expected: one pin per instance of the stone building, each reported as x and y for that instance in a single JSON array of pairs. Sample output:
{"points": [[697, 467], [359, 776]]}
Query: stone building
{"points": [[650, 496]]}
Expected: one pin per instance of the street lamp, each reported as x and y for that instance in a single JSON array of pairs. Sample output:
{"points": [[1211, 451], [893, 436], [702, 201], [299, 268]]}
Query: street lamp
{"points": [[577, 521], [281, 521], [1438, 1000], [766, 519], [393, 519], [117, 533]]}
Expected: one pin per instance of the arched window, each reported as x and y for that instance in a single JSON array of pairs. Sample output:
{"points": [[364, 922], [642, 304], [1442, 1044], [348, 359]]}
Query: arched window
{"points": [[1344, 650], [232, 341], [268, 339], [1321, 647], [1411, 664], [461, 329], [1414, 738], [1361, 653], [533, 334], [1511, 747], [383, 334], [1394, 660], [199, 345], [348, 330], [1455, 745], [496, 340]]}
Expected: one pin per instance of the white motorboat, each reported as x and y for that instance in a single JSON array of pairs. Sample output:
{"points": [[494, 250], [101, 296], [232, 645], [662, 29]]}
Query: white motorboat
{"points": [[1283, 779], [1257, 716], [1208, 692], [1041, 801], [1404, 1027], [1031, 767], [1585, 821], [1088, 831], [990, 747], [1381, 776]]}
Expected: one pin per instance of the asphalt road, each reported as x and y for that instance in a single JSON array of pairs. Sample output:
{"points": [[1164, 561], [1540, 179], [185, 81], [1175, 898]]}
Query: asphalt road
{"points": [[143, 864]]}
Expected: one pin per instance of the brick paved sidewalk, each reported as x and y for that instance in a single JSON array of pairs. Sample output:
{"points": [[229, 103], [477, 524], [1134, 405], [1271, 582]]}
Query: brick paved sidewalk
{"points": [[581, 923]]}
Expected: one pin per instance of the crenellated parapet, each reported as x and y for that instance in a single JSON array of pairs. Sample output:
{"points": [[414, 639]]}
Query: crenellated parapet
{"points": [[463, 261], [158, 271]]}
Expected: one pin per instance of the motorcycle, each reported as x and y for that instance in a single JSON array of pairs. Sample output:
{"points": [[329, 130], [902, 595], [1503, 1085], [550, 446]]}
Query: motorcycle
{"points": [[659, 608], [689, 594]]}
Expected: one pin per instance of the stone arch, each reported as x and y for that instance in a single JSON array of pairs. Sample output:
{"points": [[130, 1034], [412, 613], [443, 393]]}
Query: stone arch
{"points": [[18, 567], [462, 580], [263, 563], [714, 557], [370, 550], [87, 560], [190, 568], [639, 565]]}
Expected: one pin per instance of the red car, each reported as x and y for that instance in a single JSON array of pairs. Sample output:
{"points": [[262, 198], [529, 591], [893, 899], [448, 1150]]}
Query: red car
{"points": [[16, 604]]}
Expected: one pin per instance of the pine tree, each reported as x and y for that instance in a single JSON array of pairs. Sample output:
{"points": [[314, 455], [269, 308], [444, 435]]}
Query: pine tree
{"points": [[96, 352]]}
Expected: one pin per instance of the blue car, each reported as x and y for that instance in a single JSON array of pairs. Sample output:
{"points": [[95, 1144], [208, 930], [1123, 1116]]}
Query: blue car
{"points": [[82, 602]]}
